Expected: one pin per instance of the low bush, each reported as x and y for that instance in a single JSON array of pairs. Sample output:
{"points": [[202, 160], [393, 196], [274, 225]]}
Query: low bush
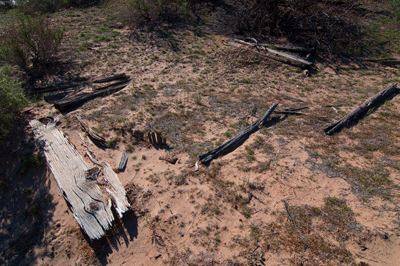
{"points": [[11, 99], [30, 42]]}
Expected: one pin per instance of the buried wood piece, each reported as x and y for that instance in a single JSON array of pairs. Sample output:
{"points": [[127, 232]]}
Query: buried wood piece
{"points": [[122, 163], [236, 141], [362, 109], [90, 205], [169, 159], [81, 98], [92, 134]]}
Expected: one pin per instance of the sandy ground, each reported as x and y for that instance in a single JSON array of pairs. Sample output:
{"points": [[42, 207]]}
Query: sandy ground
{"points": [[185, 217]]}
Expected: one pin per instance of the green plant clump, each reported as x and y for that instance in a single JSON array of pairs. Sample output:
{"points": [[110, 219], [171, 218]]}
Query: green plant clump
{"points": [[30, 42], [11, 99]]}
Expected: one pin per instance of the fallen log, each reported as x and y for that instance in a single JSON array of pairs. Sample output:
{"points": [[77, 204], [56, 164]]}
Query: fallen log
{"points": [[114, 187], [69, 85], [388, 61], [236, 141], [276, 55], [121, 82], [65, 104], [287, 47], [362, 109], [92, 134], [77, 180]]}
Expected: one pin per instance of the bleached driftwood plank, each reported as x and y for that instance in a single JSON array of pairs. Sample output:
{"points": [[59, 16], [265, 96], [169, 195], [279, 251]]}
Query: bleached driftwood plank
{"points": [[90, 204], [116, 189]]}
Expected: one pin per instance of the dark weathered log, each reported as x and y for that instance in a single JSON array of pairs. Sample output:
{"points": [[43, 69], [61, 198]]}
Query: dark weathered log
{"points": [[122, 163], [92, 134], [121, 82], [362, 109], [65, 104], [111, 78], [388, 61], [236, 141]]}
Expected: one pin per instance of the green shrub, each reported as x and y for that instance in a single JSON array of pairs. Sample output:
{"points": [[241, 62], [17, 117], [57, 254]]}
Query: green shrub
{"points": [[30, 42], [11, 99], [140, 11], [395, 8]]}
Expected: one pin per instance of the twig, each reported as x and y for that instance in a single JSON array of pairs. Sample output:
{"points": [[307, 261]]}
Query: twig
{"points": [[217, 218], [292, 97]]}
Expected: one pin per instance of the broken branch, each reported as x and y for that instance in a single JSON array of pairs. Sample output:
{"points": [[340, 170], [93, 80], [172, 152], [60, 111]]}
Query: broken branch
{"points": [[362, 109], [236, 141]]}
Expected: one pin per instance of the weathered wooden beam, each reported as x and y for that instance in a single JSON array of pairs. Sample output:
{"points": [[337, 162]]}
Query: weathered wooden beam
{"points": [[362, 109], [114, 187], [65, 104], [90, 205], [122, 163], [236, 141]]}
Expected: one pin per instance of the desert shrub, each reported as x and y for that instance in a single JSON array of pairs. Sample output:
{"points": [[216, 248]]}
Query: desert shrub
{"points": [[140, 11], [323, 24], [395, 8], [11, 98], [30, 42], [45, 6]]}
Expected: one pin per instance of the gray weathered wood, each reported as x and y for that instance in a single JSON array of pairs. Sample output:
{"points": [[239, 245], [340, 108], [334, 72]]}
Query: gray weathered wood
{"points": [[114, 188], [89, 203], [122, 163], [234, 142], [277, 55], [92, 134], [362, 109]]}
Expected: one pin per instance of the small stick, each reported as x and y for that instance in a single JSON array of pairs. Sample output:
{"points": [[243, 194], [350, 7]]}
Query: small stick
{"points": [[216, 218], [291, 97]]}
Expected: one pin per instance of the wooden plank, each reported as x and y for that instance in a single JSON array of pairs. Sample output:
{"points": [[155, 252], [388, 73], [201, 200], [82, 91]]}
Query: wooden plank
{"points": [[115, 187], [362, 109], [65, 104], [89, 203]]}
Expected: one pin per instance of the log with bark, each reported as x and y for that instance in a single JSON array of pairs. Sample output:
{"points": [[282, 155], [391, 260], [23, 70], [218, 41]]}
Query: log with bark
{"points": [[361, 110], [89, 201], [233, 143], [78, 99]]}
